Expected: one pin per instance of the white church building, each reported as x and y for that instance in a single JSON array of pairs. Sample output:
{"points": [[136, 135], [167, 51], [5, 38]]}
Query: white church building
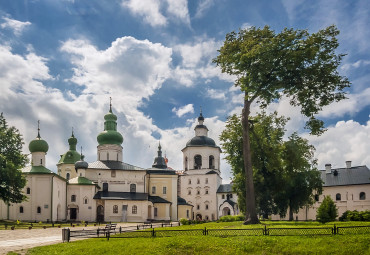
{"points": [[112, 190]]}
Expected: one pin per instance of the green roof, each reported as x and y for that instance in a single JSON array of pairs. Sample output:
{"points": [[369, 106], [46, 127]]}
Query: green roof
{"points": [[38, 145], [37, 170], [110, 135], [80, 181], [70, 157]]}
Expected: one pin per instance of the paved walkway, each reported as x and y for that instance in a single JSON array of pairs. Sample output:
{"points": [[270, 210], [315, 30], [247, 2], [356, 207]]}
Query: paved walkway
{"points": [[22, 239]]}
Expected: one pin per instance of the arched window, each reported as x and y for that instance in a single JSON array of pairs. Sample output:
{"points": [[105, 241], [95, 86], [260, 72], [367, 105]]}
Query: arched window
{"points": [[198, 181], [198, 192], [40, 161], [105, 186], [86, 200], [28, 190], [338, 197], [164, 190], [206, 180], [21, 209], [134, 209], [186, 163], [198, 207], [189, 181], [189, 192], [362, 196], [38, 209], [73, 198], [197, 162], [68, 175], [113, 173], [211, 162], [206, 192], [154, 190], [206, 207], [115, 208], [316, 197], [133, 187]]}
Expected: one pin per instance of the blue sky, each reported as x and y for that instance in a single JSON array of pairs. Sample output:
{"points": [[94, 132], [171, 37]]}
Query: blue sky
{"points": [[60, 61]]}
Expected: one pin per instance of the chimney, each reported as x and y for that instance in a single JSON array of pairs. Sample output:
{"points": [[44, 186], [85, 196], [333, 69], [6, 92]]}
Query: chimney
{"points": [[348, 164], [328, 168]]}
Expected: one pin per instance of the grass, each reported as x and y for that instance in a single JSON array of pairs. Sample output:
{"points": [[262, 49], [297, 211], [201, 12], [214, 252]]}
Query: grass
{"points": [[338, 244]]}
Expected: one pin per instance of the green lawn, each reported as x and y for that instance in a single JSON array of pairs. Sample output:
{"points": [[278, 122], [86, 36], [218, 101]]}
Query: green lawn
{"points": [[339, 244]]}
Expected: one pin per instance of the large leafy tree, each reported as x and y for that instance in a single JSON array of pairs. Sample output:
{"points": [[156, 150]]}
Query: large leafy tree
{"points": [[11, 160], [284, 172], [302, 180], [269, 65]]}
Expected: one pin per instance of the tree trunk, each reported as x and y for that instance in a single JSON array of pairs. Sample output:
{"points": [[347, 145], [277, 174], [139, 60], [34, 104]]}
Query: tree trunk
{"points": [[250, 201], [290, 212]]}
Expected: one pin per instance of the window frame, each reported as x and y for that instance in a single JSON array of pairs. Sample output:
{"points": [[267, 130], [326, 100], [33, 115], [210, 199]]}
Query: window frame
{"points": [[134, 209], [115, 209]]}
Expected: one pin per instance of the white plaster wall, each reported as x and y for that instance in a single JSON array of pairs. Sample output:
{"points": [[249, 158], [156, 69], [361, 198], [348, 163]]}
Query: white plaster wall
{"points": [[142, 210], [202, 199], [110, 152], [205, 152], [349, 201], [120, 183], [85, 212], [59, 199]]}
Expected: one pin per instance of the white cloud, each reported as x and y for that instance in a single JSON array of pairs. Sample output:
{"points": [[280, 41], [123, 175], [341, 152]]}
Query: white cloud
{"points": [[202, 7], [216, 94], [347, 140], [181, 111], [16, 25], [148, 9], [153, 11]]}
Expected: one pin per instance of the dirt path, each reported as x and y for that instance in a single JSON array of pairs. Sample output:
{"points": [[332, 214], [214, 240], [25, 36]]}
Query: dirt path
{"points": [[20, 240]]}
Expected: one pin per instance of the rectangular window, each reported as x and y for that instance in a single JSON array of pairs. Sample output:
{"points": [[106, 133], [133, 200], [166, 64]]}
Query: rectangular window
{"points": [[73, 198], [206, 180], [206, 191], [134, 209], [113, 173], [189, 181], [187, 213], [164, 190], [155, 212], [189, 192], [198, 207], [206, 207], [153, 190], [115, 209]]}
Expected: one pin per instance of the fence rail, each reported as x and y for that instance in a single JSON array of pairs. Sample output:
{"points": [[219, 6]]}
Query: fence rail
{"points": [[132, 233]]}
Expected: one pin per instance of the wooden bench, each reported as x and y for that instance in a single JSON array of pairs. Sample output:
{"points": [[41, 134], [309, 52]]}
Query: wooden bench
{"points": [[110, 228]]}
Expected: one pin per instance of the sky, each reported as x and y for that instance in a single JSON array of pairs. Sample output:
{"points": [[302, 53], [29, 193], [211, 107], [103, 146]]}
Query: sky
{"points": [[61, 61]]}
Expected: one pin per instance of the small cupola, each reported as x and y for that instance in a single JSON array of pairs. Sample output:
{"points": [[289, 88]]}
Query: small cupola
{"points": [[201, 129], [38, 148], [159, 161]]}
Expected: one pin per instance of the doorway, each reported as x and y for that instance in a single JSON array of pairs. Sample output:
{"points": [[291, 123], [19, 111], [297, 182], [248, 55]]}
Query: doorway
{"points": [[226, 211], [73, 212], [124, 213], [100, 213]]}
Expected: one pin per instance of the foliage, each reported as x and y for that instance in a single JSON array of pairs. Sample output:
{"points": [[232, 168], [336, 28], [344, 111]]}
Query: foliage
{"points": [[184, 221], [327, 211], [301, 177], [355, 216], [11, 161], [230, 218], [293, 63], [284, 172]]}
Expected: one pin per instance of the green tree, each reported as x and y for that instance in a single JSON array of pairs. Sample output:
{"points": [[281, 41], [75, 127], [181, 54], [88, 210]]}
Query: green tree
{"points": [[301, 178], [11, 160], [284, 172], [327, 211], [292, 63]]}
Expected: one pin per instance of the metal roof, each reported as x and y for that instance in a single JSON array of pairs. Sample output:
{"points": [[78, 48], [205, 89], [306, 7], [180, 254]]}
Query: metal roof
{"points": [[157, 199], [113, 165], [346, 176], [225, 188], [111, 195]]}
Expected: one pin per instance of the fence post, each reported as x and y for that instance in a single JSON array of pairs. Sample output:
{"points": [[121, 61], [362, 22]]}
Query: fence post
{"points": [[335, 230], [151, 226], [153, 233], [97, 232], [162, 224], [120, 229], [205, 231]]}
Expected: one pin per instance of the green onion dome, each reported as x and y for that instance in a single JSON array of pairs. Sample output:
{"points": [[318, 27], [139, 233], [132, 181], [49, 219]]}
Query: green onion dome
{"points": [[71, 156], [110, 134], [38, 145]]}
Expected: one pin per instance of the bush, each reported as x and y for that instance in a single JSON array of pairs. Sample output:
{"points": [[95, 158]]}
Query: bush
{"points": [[355, 216], [229, 218], [184, 221], [327, 211]]}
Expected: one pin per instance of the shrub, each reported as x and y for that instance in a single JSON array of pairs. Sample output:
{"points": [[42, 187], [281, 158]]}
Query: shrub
{"points": [[355, 216], [229, 218], [184, 221], [327, 211]]}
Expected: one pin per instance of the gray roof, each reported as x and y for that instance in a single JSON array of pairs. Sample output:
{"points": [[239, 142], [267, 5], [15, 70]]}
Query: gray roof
{"points": [[166, 171], [182, 201], [346, 176], [157, 199], [225, 188], [232, 203], [212, 172], [111, 195], [114, 165]]}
